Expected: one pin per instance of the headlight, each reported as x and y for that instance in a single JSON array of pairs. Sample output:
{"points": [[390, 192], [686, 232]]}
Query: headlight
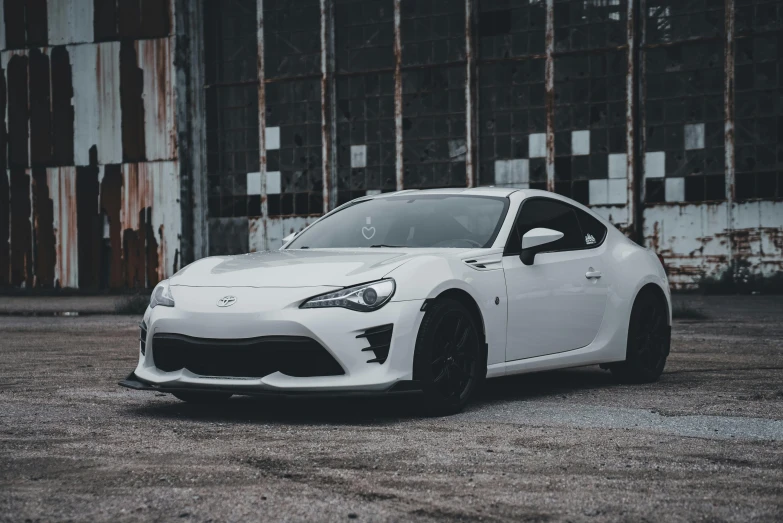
{"points": [[365, 298], [161, 295]]}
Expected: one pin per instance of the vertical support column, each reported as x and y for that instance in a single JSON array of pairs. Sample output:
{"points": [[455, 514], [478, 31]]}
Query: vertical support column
{"points": [[470, 131], [630, 116], [398, 97], [549, 85], [262, 118], [328, 119], [728, 131], [191, 115]]}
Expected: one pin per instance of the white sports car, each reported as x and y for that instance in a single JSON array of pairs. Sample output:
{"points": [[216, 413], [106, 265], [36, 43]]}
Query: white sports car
{"points": [[425, 292]]}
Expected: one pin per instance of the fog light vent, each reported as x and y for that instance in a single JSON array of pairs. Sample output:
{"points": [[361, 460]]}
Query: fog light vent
{"points": [[380, 341]]}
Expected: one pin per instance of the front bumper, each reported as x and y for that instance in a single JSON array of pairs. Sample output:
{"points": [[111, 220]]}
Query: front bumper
{"points": [[275, 312]]}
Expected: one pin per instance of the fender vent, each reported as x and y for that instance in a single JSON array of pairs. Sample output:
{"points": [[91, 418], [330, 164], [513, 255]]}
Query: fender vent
{"points": [[485, 263], [380, 341], [143, 338]]}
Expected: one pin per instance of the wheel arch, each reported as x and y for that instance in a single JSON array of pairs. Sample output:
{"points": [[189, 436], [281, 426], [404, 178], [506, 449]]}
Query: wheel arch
{"points": [[655, 290], [470, 303]]}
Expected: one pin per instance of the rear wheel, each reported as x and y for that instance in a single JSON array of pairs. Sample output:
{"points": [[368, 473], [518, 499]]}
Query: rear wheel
{"points": [[448, 360], [649, 340], [202, 397]]}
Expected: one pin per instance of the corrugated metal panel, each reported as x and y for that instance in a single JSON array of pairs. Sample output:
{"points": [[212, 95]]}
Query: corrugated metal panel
{"points": [[757, 236], [276, 230], [70, 21], [154, 185], [2, 25], [155, 60], [692, 238], [96, 102], [62, 192]]}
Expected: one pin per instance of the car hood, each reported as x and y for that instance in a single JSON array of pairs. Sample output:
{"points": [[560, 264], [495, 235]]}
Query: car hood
{"points": [[298, 268]]}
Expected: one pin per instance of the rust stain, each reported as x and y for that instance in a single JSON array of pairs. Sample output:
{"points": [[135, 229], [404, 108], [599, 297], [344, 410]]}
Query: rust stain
{"points": [[18, 113], [131, 104], [104, 20], [728, 103], [549, 89], [13, 14], [89, 225], [398, 145], [111, 204], [43, 226], [35, 18], [40, 110], [62, 107], [21, 235]]}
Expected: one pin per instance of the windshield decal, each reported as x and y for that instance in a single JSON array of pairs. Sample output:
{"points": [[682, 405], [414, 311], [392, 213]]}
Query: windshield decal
{"points": [[368, 232]]}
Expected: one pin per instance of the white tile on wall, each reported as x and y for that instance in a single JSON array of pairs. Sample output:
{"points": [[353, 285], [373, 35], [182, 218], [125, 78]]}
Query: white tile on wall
{"points": [[253, 183], [618, 191], [694, 136], [675, 189], [580, 143], [272, 138], [358, 156], [373, 192], [618, 165], [512, 173], [655, 164], [537, 145], [599, 192], [273, 182]]}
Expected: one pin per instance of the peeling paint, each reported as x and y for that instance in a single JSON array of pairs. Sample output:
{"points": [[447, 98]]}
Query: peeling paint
{"points": [[21, 255], [62, 193], [160, 124], [96, 102], [70, 21]]}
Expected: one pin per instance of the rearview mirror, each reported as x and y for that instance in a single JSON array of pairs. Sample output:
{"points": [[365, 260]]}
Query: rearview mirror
{"points": [[533, 240]]}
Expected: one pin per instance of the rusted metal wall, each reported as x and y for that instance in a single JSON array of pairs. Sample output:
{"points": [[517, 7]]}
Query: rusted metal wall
{"points": [[90, 185], [662, 115]]}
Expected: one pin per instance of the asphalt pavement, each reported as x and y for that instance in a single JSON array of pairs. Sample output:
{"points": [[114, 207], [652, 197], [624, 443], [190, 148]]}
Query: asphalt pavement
{"points": [[704, 443]]}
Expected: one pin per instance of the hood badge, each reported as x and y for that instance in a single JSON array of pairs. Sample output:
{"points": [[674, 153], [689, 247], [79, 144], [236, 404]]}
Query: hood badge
{"points": [[226, 301]]}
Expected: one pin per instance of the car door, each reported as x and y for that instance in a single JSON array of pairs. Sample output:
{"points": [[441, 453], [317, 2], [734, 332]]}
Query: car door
{"points": [[556, 304]]}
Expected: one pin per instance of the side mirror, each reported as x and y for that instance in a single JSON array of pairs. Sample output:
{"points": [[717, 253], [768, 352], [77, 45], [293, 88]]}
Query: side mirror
{"points": [[533, 240], [290, 237]]}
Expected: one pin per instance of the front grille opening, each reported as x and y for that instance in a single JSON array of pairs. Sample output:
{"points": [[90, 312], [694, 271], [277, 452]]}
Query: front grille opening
{"points": [[380, 341], [143, 338], [297, 356]]}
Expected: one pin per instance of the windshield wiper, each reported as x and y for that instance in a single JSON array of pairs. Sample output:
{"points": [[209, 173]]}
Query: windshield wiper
{"points": [[384, 245]]}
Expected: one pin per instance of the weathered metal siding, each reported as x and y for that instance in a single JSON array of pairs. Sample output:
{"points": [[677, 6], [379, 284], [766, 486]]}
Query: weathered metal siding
{"points": [[89, 195]]}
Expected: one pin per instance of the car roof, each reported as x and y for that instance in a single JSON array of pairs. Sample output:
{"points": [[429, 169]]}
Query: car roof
{"points": [[467, 191]]}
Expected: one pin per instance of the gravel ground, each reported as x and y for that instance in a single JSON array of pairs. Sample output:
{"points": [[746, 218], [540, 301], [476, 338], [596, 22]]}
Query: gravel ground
{"points": [[704, 443]]}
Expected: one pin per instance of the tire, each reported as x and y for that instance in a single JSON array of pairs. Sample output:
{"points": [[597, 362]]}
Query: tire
{"points": [[448, 361], [649, 341], [202, 397]]}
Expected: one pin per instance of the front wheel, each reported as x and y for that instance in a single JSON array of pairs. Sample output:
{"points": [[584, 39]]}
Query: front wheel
{"points": [[448, 358], [649, 341]]}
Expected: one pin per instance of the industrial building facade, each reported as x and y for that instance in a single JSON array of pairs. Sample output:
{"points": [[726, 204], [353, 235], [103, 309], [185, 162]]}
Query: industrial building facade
{"points": [[139, 135]]}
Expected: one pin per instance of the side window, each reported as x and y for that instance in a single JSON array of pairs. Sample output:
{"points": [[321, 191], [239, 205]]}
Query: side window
{"points": [[593, 230], [549, 214]]}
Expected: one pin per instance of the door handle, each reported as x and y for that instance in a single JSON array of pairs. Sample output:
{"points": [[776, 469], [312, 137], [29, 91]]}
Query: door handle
{"points": [[592, 274]]}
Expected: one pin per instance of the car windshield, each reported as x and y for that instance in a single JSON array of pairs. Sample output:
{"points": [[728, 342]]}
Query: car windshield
{"points": [[409, 220]]}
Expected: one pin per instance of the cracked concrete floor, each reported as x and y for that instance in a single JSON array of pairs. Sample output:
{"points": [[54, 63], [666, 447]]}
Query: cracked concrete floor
{"points": [[705, 443]]}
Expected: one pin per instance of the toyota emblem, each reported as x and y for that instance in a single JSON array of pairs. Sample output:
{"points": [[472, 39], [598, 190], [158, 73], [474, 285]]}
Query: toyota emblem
{"points": [[227, 301]]}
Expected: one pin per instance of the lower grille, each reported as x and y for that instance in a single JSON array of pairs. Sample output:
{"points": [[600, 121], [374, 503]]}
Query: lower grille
{"points": [[297, 356]]}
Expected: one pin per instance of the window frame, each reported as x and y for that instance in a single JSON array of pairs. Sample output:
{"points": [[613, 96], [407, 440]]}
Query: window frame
{"points": [[506, 251]]}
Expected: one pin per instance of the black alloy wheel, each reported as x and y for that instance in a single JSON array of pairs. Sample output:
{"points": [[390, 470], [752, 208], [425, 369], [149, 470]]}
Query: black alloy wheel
{"points": [[448, 359], [649, 341]]}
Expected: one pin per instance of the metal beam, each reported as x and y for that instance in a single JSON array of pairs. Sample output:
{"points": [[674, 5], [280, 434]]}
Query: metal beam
{"points": [[262, 117], [398, 97], [549, 86], [728, 130]]}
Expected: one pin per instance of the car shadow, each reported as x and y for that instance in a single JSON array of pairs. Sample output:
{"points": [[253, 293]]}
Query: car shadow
{"points": [[373, 410]]}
